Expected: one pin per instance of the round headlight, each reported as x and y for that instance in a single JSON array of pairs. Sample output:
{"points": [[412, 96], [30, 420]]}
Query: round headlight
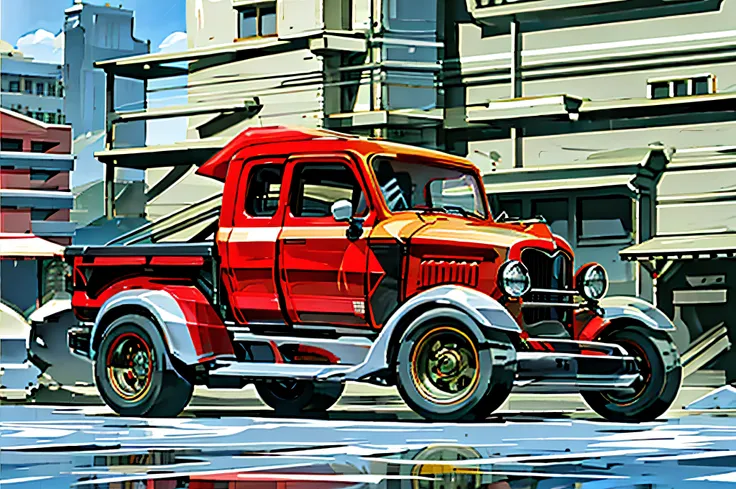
{"points": [[513, 279], [594, 283]]}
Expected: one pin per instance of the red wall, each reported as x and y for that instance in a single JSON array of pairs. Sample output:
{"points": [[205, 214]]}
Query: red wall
{"points": [[17, 126]]}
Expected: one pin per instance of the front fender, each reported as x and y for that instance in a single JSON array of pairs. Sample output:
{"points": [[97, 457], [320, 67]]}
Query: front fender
{"points": [[485, 311], [189, 338], [617, 308]]}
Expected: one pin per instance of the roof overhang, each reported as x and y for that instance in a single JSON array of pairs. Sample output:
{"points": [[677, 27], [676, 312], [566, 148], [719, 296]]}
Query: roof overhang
{"points": [[164, 65], [629, 171], [512, 112], [683, 247], [548, 116], [534, 15], [19, 246], [183, 153]]}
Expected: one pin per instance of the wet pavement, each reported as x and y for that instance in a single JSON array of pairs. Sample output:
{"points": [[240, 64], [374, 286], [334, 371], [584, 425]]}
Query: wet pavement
{"points": [[58, 447]]}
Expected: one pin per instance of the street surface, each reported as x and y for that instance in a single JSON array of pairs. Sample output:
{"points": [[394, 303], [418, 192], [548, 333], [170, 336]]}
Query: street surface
{"points": [[370, 442]]}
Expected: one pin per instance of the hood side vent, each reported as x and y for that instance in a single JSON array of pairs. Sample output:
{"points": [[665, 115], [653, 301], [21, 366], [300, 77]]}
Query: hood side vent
{"points": [[436, 272]]}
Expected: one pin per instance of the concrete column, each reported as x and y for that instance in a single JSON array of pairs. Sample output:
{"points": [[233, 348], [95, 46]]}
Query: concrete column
{"points": [[109, 183]]}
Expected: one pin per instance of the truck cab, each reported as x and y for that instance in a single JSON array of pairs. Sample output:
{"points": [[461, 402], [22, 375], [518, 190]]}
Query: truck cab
{"points": [[338, 258]]}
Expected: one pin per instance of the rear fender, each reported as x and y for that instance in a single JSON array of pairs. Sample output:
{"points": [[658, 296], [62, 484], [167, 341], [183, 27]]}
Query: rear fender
{"points": [[615, 310], [189, 325], [483, 312]]}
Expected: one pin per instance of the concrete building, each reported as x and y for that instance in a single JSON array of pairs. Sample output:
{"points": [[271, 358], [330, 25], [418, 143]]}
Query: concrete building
{"points": [[29, 87], [93, 33], [596, 115]]}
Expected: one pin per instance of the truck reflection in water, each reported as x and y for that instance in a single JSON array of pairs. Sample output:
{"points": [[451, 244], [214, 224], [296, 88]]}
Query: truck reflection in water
{"points": [[434, 467]]}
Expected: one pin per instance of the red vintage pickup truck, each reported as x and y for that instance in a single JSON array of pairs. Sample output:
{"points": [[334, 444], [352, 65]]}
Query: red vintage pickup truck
{"points": [[336, 258]]}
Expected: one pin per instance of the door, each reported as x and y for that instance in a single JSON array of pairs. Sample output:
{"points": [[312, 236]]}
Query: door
{"points": [[250, 264], [323, 272]]}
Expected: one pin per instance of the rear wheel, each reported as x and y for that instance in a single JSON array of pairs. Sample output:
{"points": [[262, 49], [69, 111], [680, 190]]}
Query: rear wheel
{"points": [[661, 375], [134, 374], [292, 397], [444, 374]]}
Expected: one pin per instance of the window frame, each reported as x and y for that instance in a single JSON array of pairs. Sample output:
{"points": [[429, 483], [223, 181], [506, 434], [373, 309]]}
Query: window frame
{"points": [[259, 20], [294, 187], [584, 240], [254, 169]]}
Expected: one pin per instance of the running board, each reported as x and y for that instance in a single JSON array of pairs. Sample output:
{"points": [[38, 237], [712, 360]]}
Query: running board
{"points": [[290, 371], [705, 349], [619, 383]]}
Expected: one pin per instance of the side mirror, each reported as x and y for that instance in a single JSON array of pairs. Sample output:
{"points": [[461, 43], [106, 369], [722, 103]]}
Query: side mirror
{"points": [[342, 210]]}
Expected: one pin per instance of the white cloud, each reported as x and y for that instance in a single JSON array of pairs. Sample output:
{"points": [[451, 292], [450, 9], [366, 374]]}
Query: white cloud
{"points": [[43, 46], [174, 42]]}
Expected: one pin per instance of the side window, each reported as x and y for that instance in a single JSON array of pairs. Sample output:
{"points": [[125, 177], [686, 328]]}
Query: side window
{"points": [[264, 187], [318, 186]]}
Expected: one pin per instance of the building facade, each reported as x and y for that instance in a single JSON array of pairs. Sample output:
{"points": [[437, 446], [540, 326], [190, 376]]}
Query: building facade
{"points": [[29, 87], [594, 115]]}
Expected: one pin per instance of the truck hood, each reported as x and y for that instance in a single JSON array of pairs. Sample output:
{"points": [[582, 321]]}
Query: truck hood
{"points": [[458, 236]]}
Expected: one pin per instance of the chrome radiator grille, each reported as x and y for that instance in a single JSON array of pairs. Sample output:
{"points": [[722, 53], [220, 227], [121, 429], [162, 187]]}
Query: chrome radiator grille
{"points": [[551, 294]]}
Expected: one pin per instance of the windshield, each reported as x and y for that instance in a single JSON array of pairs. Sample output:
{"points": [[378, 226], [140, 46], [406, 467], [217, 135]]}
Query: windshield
{"points": [[408, 186]]}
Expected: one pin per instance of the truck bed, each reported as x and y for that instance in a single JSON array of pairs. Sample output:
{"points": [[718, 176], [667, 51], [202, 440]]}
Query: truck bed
{"points": [[204, 249]]}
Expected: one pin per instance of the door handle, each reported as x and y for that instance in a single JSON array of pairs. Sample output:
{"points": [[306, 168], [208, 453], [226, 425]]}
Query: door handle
{"points": [[295, 241]]}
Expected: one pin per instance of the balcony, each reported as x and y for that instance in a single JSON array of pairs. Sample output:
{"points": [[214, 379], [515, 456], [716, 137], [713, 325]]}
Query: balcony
{"points": [[36, 161]]}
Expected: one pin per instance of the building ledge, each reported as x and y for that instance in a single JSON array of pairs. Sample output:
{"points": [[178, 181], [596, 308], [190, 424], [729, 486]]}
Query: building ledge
{"points": [[159, 65], [629, 170], [53, 228], [36, 199], [247, 105], [567, 114], [184, 153], [516, 111], [38, 161], [404, 118]]}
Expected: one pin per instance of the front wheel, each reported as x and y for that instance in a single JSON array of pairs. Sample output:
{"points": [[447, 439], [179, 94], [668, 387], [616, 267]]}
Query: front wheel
{"points": [[654, 392], [292, 397], [133, 373], [444, 374]]}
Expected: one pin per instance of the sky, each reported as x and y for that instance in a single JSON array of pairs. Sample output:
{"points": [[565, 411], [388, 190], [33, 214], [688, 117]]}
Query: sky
{"points": [[34, 26]]}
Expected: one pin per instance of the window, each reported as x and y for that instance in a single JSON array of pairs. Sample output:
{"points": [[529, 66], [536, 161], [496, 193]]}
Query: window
{"points": [[52, 90], [701, 86], [429, 186], [28, 87], [257, 22], [7, 144], [555, 212], [317, 187], [513, 208], [14, 86], [264, 187], [681, 88], [660, 90], [40, 88], [605, 217], [37, 147]]}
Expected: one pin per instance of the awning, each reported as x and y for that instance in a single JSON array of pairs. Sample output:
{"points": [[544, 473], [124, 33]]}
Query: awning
{"points": [[683, 247], [19, 246]]}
